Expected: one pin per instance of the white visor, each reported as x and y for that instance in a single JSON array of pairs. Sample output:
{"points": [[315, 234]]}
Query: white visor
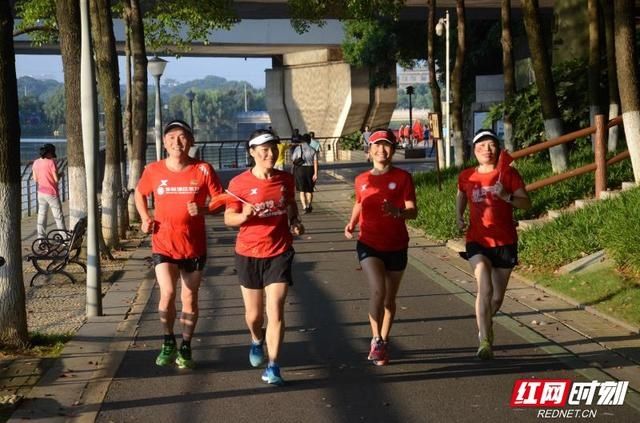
{"points": [[261, 139], [484, 134]]}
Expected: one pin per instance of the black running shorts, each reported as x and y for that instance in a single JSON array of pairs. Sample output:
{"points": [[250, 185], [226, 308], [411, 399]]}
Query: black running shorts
{"points": [[394, 261], [256, 273], [504, 257], [188, 265]]}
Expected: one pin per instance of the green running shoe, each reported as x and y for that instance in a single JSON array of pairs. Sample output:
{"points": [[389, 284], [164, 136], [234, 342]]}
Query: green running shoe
{"points": [[484, 350], [184, 360], [167, 354]]}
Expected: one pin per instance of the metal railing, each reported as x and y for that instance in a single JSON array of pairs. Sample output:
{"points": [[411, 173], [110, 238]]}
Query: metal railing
{"points": [[600, 162], [232, 154]]}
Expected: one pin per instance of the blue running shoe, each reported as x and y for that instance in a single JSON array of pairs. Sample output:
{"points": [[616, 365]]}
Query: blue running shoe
{"points": [[272, 375], [256, 354]]}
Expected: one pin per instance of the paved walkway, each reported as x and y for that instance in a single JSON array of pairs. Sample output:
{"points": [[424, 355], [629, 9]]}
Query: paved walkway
{"points": [[107, 374]]}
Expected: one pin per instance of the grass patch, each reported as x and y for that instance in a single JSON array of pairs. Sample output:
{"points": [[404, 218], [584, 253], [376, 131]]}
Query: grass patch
{"points": [[604, 225], [605, 289], [47, 345]]}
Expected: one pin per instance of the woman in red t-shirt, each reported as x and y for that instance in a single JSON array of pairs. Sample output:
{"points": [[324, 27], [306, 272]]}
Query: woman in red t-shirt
{"points": [[492, 190], [267, 216], [385, 198]]}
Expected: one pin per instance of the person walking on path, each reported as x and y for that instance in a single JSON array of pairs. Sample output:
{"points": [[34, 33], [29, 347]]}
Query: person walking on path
{"points": [[264, 208], [385, 199], [305, 171], [492, 190], [366, 133], [180, 186], [45, 175]]}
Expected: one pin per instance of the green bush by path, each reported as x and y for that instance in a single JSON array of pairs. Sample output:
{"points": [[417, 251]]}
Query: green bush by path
{"points": [[609, 225]]}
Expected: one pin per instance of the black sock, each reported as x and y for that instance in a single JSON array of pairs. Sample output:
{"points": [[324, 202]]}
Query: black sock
{"points": [[186, 343], [170, 339]]}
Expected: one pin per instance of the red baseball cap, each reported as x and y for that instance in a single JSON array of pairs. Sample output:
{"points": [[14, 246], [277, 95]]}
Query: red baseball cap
{"points": [[382, 135]]}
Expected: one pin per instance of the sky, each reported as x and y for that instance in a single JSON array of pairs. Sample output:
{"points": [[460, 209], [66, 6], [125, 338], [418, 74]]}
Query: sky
{"points": [[182, 70]]}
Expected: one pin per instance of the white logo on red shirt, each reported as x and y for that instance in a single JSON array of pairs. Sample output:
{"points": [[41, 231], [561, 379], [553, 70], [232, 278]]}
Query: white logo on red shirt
{"points": [[254, 191], [203, 168], [392, 185], [363, 187]]}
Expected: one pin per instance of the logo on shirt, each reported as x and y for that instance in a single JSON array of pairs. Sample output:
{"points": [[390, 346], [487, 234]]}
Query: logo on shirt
{"points": [[203, 168], [254, 191], [164, 188], [479, 194], [392, 185], [363, 187]]}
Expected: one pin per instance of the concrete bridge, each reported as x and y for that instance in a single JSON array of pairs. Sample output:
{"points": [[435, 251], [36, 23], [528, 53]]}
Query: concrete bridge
{"points": [[310, 86]]}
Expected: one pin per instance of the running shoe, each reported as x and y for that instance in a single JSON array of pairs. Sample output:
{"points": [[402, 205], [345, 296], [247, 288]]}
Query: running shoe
{"points": [[272, 376], [184, 360], [489, 336], [256, 353], [385, 355], [376, 352], [167, 354], [484, 350]]}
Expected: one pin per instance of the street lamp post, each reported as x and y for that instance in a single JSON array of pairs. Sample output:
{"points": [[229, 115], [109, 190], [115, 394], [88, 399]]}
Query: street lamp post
{"points": [[191, 96], [156, 68], [410, 93], [443, 26]]}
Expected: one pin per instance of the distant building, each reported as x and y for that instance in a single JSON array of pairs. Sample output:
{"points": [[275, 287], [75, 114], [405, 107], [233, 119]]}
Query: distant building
{"points": [[250, 121], [416, 76]]}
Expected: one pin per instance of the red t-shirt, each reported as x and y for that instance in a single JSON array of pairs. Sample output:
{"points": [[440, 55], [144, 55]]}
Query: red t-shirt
{"points": [[381, 232], [491, 218], [177, 234], [266, 234]]}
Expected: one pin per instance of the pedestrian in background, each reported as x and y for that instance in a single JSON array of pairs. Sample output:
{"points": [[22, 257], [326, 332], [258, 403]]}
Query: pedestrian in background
{"points": [[385, 199], [45, 175], [180, 185], [492, 190], [305, 171]]}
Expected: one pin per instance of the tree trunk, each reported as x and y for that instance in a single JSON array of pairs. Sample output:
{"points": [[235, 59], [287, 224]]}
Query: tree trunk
{"points": [[139, 104], [626, 60], [612, 77], [456, 88], [13, 315], [127, 132], [509, 73], [433, 79], [104, 47], [544, 82], [594, 65], [68, 18]]}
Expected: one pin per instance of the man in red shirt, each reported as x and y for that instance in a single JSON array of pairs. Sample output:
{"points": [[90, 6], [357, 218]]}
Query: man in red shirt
{"points": [[267, 217], [180, 187], [385, 199], [492, 190]]}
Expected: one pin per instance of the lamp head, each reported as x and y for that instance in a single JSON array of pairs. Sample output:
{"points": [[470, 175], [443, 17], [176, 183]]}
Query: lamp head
{"points": [[190, 95], [440, 27], [409, 90], [156, 66]]}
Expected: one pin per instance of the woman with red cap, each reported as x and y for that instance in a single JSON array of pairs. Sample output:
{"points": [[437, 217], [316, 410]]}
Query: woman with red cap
{"points": [[385, 199], [492, 190]]}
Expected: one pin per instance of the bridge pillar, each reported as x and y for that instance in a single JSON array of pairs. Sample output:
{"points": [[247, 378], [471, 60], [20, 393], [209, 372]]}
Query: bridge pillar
{"points": [[318, 91]]}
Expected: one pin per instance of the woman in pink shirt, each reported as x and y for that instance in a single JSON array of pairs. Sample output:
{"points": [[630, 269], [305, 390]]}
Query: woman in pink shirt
{"points": [[45, 175]]}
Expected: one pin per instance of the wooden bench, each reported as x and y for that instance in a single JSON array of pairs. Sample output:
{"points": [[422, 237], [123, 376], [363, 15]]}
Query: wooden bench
{"points": [[51, 254]]}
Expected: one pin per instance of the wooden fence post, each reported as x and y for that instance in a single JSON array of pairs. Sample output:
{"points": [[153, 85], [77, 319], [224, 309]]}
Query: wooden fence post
{"points": [[600, 155]]}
